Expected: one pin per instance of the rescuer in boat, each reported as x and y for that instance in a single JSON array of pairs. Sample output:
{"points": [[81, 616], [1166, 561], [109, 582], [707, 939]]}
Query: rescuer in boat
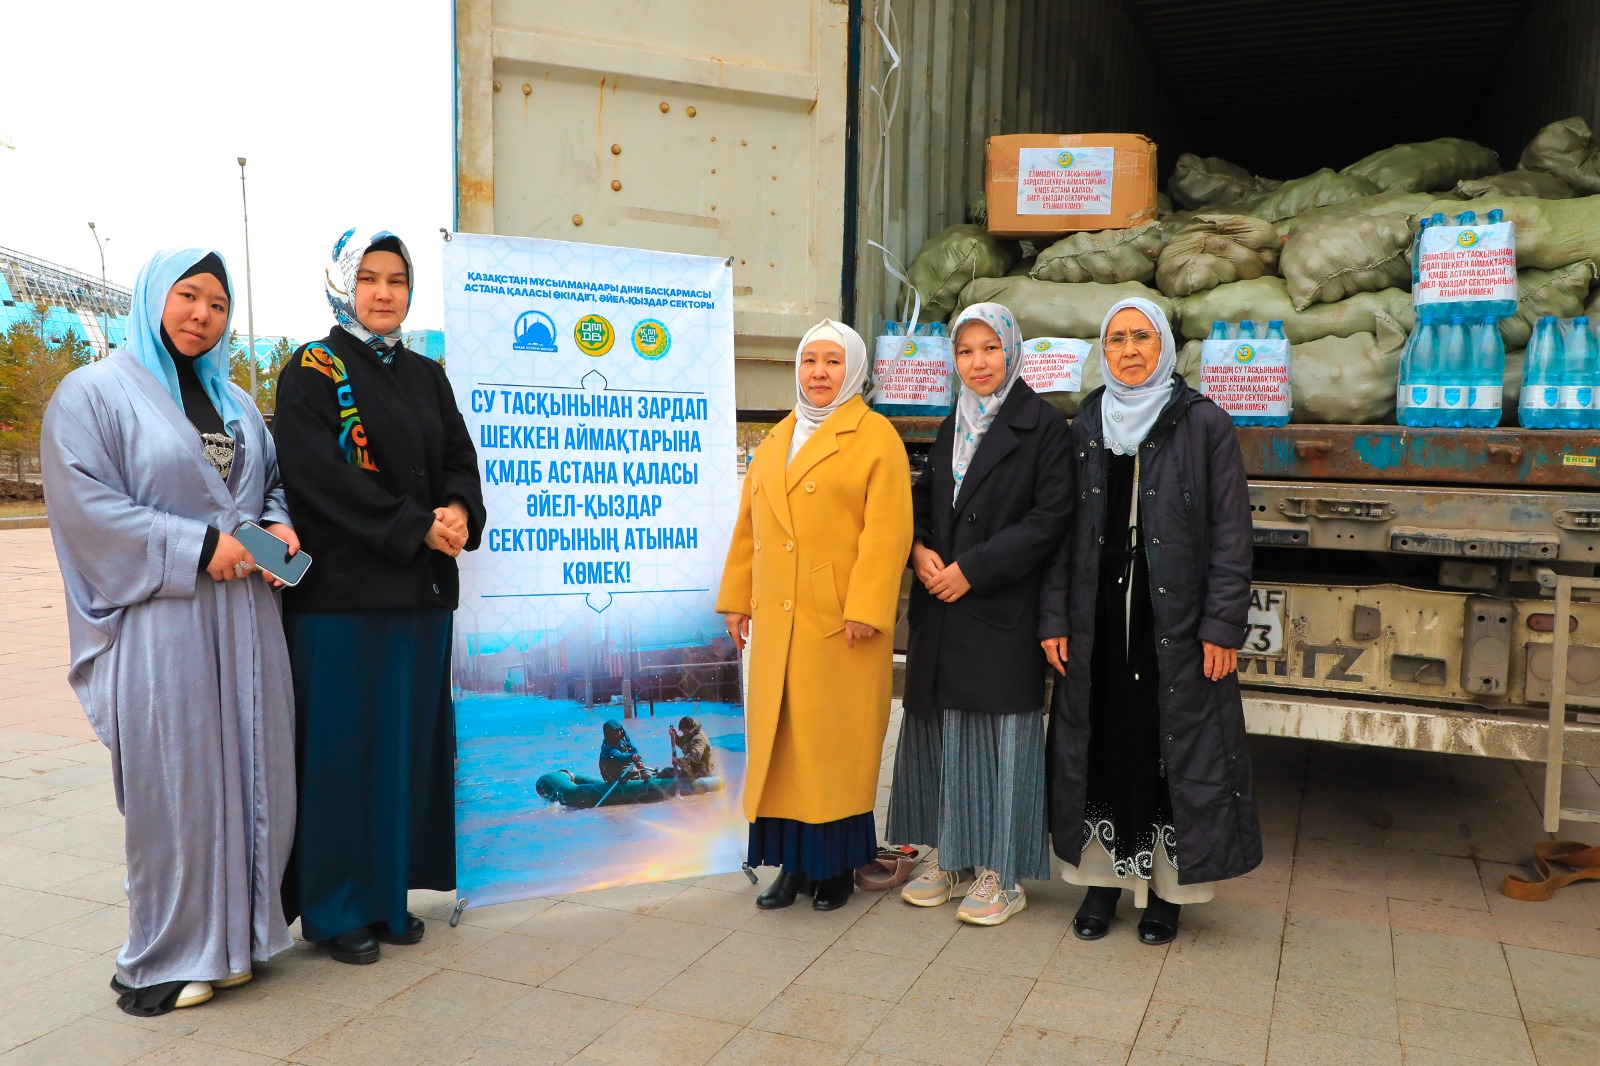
{"points": [[618, 755], [695, 758]]}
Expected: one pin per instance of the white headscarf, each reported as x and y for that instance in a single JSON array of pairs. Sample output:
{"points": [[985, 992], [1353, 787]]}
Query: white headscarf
{"points": [[807, 415], [1128, 411], [339, 282], [975, 413]]}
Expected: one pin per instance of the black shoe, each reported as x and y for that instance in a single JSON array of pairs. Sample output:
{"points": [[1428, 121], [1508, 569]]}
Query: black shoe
{"points": [[834, 892], [1160, 922], [1094, 915], [357, 947], [782, 891], [413, 932]]}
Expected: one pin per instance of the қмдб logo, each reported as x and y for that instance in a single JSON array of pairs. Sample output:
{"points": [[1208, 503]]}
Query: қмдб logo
{"points": [[535, 332], [651, 339], [594, 335], [1064, 159], [1244, 353], [1467, 238]]}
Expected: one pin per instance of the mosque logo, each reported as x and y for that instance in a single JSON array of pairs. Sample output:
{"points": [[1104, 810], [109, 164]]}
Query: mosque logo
{"points": [[595, 335], [535, 332], [651, 339], [1064, 160], [1467, 238], [1244, 353]]}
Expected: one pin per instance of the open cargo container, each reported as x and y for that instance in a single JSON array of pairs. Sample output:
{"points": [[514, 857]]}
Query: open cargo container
{"points": [[796, 135]]}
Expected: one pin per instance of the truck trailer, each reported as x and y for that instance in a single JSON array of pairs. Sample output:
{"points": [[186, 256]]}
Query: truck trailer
{"points": [[1424, 589]]}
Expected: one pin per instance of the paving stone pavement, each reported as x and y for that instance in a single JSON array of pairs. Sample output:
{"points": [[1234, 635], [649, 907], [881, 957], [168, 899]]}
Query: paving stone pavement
{"points": [[1373, 934]]}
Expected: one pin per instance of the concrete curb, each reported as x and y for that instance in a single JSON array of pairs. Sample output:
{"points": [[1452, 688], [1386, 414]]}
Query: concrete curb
{"points": [[35, 522]]}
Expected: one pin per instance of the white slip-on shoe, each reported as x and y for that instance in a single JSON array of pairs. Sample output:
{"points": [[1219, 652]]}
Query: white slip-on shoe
{"points": [[194, 993], [233, 980]]}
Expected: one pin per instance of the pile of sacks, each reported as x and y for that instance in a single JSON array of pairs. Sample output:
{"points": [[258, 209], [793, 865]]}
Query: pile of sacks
{"points": [[1329, 254]]}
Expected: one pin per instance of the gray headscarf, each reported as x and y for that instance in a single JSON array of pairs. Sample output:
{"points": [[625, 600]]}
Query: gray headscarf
{"points": [[1128, 411]]}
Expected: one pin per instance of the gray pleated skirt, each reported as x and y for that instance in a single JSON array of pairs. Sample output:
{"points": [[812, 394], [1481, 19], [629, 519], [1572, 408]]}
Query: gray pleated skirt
{"points": [[972, 785]]}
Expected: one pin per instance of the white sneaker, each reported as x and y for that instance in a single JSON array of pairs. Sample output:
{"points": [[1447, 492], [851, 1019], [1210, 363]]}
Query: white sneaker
{"points": [[194, 993], [233, 980], [988, 904], [935, 887]]}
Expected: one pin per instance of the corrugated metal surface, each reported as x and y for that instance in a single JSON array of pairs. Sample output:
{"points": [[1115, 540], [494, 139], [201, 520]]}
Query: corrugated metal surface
{"points": [[1551, 69], [970, 69], [1287, 87]]}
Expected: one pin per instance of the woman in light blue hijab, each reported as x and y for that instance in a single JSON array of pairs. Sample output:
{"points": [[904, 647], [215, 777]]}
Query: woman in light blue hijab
{"points": [[152, 459]]}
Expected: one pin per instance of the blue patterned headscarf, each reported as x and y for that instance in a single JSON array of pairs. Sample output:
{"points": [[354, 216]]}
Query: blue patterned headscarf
{"points": [[143, 340], [340, 283], [975, 413]]}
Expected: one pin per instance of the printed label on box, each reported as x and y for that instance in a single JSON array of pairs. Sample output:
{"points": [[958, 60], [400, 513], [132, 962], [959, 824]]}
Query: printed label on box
{"points": [[1247, 377], [1054, 364], [1462, 264], [1064, 181], [914, 370]]}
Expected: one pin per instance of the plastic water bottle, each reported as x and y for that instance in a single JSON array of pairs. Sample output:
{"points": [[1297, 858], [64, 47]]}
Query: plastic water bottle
{"points": [[1488, 371], [1421, 408], [1579, 367], [1246, 331], [1455, 371], [1219, 331], [1429, 312], [1496, 217], [1468, 217], [1275, 333], [1408, 373], [1416, 250], [1541, 376]]}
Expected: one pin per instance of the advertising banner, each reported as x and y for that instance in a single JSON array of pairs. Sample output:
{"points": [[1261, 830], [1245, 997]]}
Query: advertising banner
{"points": [[1468, 265], [912, 376], [599, 719], [1065, 181]]}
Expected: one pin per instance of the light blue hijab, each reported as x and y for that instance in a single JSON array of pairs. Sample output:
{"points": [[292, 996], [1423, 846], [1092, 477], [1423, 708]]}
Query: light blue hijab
{"points": [[143, 341]]}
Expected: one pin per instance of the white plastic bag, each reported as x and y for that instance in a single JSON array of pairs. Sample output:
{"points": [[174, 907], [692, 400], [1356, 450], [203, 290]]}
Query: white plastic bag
{"points": [[1054, 364], [1247, 378]]}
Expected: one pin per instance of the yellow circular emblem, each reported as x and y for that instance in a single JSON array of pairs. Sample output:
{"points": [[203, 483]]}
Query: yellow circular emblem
{"points": [[1467, 238], [1041, 346], [594, 335], [1244, 353], [651, 339], [1064, 159]]}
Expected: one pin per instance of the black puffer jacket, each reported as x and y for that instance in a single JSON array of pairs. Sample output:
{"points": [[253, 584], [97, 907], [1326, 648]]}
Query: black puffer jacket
{"points": [[1195, 507]]}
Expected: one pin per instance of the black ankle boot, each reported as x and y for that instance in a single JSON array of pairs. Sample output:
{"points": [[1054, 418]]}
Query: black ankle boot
{"points": [[1160, 922], [782, 891], [834, 892], [1094, 915]]}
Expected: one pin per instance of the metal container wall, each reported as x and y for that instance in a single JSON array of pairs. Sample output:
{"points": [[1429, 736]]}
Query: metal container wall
{"points": [[1551, 71], [970, 69]]}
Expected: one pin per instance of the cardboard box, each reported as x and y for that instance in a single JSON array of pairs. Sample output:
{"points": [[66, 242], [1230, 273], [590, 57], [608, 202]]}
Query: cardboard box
{"points": [[1045, 185]]}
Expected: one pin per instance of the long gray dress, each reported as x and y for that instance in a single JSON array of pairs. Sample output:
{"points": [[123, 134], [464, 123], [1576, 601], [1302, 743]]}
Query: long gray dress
{"points": [[184, 678]]}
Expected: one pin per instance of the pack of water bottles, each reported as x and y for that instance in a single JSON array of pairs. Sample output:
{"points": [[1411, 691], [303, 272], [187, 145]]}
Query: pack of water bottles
{"points": [[1452, 374], [1245, 371], [1561, 376], [912, 374], [1461, 269]]}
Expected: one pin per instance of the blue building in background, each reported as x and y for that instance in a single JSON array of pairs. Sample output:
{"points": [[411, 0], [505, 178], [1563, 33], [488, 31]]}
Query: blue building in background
{"points": [[74, 303]]}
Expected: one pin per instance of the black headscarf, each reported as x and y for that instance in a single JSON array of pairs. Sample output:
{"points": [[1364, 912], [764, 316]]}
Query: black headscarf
{"points": [[197, 406]]}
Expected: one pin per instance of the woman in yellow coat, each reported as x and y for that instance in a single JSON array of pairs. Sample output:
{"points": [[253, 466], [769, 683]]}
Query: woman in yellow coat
{"points": [[813, 581]]}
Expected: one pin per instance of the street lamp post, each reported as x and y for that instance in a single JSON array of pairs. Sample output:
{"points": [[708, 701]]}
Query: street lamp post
{"points": [[250, 300], [105, 337]]}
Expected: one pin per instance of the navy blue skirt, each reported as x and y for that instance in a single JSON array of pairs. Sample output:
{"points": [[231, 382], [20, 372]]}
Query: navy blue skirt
{"points": [[819, 850], [375, 747]]}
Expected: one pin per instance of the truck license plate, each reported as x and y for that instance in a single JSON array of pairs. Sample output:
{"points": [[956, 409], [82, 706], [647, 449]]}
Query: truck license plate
{"points": [[1264, 632]]}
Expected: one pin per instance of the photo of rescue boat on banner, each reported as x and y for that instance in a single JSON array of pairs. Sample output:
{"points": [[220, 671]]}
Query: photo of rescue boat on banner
{"points": [[599, 715]]}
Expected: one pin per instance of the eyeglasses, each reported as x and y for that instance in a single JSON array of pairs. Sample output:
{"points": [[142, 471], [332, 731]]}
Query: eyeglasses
{"points": [[1141, 338]]}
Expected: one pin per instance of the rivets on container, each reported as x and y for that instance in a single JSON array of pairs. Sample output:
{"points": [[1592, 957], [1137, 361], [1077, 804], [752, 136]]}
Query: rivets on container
{"points": [[496, 86], [527, 90], [616, 186], [665, 107], [690, 111], [616, 149], [577, 220]]}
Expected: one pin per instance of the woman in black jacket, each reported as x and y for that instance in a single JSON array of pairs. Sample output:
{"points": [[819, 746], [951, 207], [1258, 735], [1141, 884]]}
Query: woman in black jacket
{"points": [[382, 483], [989, 510], [1149, 771]]}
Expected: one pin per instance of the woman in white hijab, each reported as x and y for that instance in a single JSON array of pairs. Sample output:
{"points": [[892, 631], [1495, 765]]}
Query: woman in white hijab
{"points": [[1149, 769], [812, 582], [990, 508]]}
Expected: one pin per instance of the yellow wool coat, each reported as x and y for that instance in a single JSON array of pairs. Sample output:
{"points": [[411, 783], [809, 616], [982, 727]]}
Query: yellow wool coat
{"points": [[818, 542]]}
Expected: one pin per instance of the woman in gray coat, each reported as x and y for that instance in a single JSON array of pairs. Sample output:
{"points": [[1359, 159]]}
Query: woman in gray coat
{"points": [[1149, 773]]}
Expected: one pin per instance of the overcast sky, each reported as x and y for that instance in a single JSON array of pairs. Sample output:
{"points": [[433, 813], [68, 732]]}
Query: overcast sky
{"points": [[132, 115]]}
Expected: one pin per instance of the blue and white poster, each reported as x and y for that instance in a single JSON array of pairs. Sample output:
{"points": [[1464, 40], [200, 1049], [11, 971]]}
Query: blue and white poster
{"points": [[599, 722]]}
